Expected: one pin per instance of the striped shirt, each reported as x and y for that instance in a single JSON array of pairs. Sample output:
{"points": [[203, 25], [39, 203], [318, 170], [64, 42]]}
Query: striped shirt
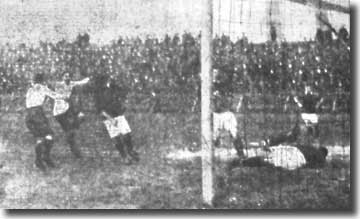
{"points": [[287, 157]]}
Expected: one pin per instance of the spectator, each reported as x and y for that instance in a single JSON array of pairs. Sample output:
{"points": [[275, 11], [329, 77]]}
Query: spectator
{"points": [[271, 68]]}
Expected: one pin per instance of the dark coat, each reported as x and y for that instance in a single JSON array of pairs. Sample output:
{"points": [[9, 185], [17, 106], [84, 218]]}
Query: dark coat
{"points": [[110, 99]]}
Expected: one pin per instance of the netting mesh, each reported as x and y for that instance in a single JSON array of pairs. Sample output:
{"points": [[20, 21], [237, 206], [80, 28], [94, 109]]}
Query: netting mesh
{"points": [[255, 18], [278, 70]]}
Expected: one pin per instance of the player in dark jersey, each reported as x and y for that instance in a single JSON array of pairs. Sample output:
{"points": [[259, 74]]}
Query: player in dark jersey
{"points": [[65, 113], [308, 105], [109, 102]]}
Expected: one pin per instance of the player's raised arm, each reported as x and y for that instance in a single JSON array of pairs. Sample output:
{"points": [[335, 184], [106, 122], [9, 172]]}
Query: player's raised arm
{"points": [[106, 115], [240, 103], [81, 82], [52, 94]]}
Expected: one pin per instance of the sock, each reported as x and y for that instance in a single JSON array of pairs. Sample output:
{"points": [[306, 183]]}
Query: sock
{"points": [[48, 144], [120, 146], [70, 138], [39, 151], [129, 145], [239, 146]]}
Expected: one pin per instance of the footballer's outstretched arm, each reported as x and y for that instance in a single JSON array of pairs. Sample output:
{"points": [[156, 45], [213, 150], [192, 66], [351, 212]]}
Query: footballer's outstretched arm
{"points": [[81, 82]]}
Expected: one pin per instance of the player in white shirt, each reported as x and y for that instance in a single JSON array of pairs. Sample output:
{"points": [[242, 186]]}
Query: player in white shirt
{"points": [[37, 123], [64, 111], [223, 118]]}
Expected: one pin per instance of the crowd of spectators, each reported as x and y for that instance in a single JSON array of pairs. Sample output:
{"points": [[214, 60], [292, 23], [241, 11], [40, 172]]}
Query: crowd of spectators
{"points": [[164, 74]]}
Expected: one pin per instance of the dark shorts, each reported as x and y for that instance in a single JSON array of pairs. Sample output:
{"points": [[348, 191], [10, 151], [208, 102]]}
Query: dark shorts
{"points": [[68, 120], [37, 123]]}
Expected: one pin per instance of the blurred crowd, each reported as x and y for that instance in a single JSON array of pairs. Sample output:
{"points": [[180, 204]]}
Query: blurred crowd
{"points": [[164, 74]]}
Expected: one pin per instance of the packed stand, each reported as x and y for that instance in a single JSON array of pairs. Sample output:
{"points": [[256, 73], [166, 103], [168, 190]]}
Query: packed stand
{"points": [[163, 75]]}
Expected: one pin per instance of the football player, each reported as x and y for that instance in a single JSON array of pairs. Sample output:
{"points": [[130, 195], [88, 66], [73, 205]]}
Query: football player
{"points": [[65, 112], [36, 121]]}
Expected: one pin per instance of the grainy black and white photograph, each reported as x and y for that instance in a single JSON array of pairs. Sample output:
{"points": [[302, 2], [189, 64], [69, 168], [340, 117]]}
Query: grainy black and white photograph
{"points": [[176, 104]]}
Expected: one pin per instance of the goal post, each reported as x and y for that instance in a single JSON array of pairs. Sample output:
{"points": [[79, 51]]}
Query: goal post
{"points": [[206, 113]]}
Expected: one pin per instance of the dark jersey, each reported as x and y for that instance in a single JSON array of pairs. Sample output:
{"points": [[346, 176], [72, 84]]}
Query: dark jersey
{"points": [[110, 100], [313, 156], [309, 102]]}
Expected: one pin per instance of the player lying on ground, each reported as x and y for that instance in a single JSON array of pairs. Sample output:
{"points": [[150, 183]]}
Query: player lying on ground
{"points": [[37, 123], [109, 98], [65, 112], [284, 156], [309, 104]]}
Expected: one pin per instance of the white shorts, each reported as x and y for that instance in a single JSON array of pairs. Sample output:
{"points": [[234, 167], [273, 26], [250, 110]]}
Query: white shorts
{"points": [[60, 107], [121, 126], [224, 121], [310, 118], [287, 157]]}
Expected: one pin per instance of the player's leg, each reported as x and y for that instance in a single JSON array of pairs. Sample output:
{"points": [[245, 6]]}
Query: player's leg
{"points": [[216, 129], [81, 117], [314, 129], [70, 139], [233, 164], [130, 147], [76, 104], [231, 125], [74, 125], [48, 144], [39, 127], [119, 145], [258, 161], [69, 124], [239, 145], [39, 153], [126, 133], [318, 141]]}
